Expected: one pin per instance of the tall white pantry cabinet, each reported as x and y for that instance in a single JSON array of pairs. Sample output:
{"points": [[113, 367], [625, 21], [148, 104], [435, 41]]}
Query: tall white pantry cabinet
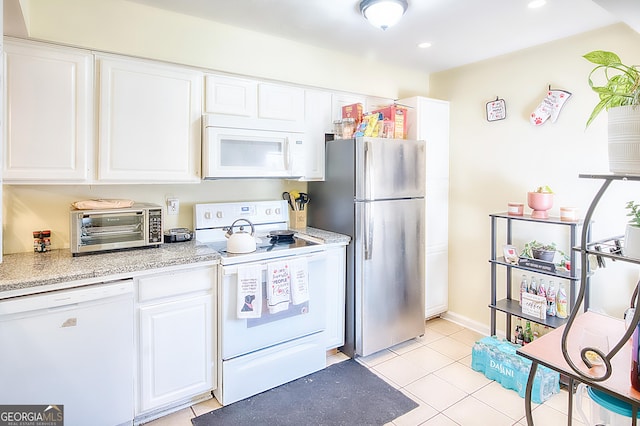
{"points": [[428, 120]]}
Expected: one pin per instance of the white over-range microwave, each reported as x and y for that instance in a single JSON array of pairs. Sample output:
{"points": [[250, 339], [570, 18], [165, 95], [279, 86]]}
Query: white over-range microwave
{"points": [[250, 153]]}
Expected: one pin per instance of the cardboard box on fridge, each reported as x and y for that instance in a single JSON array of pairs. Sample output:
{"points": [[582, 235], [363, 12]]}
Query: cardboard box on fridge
{"points": [[398, 116], [354, 111]]}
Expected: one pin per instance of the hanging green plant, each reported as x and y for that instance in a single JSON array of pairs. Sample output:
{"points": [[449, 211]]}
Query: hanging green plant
{"points": [[622, 85]]}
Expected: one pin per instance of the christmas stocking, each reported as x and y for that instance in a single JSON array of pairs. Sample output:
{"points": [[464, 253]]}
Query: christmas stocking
{"points": [[549, 107]]}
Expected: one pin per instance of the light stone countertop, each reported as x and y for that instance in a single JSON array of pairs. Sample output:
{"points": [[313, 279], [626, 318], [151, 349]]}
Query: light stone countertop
{"points": [[29, 273]]}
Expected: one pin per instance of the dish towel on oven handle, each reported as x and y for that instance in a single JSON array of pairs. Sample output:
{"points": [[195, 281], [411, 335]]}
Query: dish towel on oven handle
{"points": [[278, 286], [249, 300], [299, 281]]}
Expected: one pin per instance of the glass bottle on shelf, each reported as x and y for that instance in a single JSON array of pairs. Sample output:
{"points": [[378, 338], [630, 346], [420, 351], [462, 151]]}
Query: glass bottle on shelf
{"points": [[528, 334], [541, 289], [517, 331], [561, 302], [520, 340], [551, 300], [524, 288], [533, 287]]}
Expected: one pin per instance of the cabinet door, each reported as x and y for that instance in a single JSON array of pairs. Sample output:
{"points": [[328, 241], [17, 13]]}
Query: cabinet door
{"points": [[280, 102], [338, 100], [149, 121], [317, 123], [49, 110], [176, 350], [335, 306], [232, 96]]}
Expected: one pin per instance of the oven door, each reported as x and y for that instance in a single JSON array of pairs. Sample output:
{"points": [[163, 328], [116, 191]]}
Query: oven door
{"points": [[243, 336], [246, 153], [107, 231]]}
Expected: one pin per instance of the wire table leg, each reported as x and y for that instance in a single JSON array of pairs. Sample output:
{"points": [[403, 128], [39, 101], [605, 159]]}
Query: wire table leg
{"points": [[527, 395]]}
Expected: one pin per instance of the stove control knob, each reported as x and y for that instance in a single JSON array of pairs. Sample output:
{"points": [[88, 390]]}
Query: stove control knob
{"points": [[207, 215], [268, 212], [278, 210], [219, 215]]}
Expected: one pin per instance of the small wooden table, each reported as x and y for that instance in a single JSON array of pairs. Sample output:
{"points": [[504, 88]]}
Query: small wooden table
{"points": [[547, 350]]}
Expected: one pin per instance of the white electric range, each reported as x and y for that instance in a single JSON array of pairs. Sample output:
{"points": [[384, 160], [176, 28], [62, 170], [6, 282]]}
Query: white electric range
{"points": [[264, 343]]}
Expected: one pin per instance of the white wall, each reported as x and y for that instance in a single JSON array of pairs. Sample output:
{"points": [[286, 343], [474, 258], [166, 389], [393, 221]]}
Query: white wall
{"points": [[131, 28], [493, 163]]}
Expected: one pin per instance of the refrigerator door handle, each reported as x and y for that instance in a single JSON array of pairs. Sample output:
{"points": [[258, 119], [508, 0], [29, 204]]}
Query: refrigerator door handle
{"points": [[368, 232], [367, 167]]}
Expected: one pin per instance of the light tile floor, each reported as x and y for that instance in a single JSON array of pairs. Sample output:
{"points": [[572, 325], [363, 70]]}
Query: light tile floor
{"points": [[435, 371]]}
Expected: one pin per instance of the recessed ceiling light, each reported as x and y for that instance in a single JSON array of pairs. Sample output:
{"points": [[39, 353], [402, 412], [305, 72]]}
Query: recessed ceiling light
{"points": [[424, 45], [536, 3]]}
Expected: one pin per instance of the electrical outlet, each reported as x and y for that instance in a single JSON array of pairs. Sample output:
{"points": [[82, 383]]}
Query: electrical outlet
{"points": [[173, 206]]}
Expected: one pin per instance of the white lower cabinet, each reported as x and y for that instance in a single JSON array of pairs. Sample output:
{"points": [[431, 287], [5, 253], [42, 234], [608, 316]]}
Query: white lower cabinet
{"points": [[335, 291], [176, 337]]}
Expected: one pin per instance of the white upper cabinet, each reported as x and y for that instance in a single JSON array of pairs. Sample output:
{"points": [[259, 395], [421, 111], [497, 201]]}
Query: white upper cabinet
{"points": [[279, 102], [149, 121], [231, 96], [317, 123], [338, 100], [48, 116], [251, 104]]}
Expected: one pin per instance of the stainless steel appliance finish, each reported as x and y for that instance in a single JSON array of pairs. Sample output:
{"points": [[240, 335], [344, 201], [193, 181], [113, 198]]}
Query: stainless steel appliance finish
{"points": [[112, 229], [374, 192]]}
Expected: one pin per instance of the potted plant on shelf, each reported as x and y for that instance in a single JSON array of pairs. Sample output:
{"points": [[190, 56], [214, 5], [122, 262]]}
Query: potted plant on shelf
{"points": [[545, 252], [541, 251], [540, 201], [632, 231], [620, 96]]}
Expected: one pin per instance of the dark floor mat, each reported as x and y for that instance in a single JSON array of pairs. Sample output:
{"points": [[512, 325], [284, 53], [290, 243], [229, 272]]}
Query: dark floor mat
{"points": [[342, 394]]}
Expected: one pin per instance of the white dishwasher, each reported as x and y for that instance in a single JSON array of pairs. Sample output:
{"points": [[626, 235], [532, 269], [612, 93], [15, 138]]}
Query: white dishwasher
{"points": [[72, 348]]}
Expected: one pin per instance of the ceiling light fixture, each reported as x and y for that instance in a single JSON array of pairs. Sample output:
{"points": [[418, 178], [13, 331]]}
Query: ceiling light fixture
{"points": [[536, 4], [383, 13]]}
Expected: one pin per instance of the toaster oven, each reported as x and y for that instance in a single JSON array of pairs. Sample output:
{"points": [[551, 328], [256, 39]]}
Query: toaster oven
{"points": [[113, 229]]}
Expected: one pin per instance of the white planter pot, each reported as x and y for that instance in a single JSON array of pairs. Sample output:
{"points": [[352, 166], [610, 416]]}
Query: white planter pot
{"points": [[624, 140], [632, 241]]}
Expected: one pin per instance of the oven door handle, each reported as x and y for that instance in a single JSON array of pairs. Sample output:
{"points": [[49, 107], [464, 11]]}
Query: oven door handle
{"points": [[233, 269]]}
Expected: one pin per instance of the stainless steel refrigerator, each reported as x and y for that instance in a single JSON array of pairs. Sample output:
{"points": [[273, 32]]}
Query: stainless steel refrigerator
{"points": [[374, 192]]}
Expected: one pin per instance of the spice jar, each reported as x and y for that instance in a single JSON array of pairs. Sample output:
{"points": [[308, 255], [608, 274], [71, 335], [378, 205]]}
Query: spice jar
{"points": [[37, 241], [348, 128], [46, 240], [337, 129]]}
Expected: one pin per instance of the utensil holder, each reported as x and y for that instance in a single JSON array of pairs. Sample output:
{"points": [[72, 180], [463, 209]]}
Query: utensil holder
{"points": [[297, 219]]}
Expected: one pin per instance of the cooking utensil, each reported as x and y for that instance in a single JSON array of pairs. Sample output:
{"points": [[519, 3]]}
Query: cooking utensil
{"points": [[241, 241], [303, 200], [281, 233], [287, 196]]}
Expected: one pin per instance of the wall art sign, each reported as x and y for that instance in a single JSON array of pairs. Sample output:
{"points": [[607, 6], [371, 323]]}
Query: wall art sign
{"points": [[496, 110]]}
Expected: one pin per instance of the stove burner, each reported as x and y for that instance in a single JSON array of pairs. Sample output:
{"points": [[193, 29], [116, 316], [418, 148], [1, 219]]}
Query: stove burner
{"points": [[281, 239]]}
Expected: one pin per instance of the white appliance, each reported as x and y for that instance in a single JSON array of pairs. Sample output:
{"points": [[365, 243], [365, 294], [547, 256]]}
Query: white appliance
{"points": [[72, 348], [260, 353], [248, 153]]}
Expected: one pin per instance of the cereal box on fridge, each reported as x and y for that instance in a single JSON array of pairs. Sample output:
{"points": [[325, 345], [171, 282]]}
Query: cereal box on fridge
{"points": [[398, 116]]}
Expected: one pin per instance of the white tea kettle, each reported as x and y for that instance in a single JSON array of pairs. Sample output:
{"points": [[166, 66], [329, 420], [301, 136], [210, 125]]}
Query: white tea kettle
{"points": [[240, 241]]}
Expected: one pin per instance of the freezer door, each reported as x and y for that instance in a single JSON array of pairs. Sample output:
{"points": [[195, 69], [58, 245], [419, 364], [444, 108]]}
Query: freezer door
{"points": [[389, 273], [389, 168]]}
